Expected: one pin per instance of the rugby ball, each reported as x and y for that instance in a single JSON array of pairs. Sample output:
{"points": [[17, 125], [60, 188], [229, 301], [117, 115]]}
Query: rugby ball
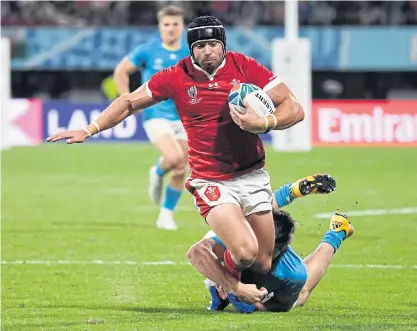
{"points": [[257, 99]]}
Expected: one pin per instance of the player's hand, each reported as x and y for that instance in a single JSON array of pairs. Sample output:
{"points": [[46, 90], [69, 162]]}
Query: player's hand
{"points": [[250, 293], [222, 292], [250, 121], [74, 136]]}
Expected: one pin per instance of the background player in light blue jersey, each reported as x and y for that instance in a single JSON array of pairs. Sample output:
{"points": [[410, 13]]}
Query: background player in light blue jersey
{"points": [[161, 122]]}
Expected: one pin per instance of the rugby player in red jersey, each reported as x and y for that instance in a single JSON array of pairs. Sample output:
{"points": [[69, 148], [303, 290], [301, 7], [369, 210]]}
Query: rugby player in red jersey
{"points": [[226, 155]]}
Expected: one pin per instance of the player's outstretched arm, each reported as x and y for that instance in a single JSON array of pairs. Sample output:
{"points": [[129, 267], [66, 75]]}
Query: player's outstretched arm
{"points": [[288, 110], [117, 111], [206, 262]]}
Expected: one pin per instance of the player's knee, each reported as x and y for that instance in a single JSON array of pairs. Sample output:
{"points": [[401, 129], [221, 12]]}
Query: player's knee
{"points": [[303, 297], [193, 252], [262, 264], [174, 160], [245, 254], [179, 172]]}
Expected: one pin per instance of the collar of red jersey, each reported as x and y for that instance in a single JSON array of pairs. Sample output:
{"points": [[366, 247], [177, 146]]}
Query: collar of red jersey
{"points": [[209, 76]]}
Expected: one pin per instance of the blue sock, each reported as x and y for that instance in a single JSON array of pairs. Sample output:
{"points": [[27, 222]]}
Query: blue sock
{"points": [[283, 195], [172, 196], [159, 171], [334, 238]]}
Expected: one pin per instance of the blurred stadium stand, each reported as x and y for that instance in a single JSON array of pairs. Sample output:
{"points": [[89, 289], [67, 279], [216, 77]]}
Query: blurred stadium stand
{"points": [[30, 26], [122, 13]]}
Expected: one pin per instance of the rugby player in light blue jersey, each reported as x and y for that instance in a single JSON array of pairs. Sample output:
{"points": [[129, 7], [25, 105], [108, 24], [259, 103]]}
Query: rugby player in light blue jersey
{"points": [[161, 121], [291, 279]]}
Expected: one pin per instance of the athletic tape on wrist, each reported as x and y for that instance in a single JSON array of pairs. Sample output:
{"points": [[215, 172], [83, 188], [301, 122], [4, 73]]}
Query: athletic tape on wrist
{"points": [[97, 126], [275, 121], [88, 132]]}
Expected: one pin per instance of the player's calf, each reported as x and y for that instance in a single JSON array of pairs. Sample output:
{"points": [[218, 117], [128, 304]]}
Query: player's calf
{"points": [[171, 198], [263, 227], [231, 227], [318, 261]]}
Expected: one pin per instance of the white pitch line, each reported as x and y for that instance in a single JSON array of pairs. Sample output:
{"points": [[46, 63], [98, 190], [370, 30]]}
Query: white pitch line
{"points": [[153, 263], [373, 212], [151, 208], [51, 262]]}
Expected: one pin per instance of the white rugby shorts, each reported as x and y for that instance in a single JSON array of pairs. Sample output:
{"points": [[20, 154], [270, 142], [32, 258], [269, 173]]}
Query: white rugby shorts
{"points": [[156, 127], [252, 192]]}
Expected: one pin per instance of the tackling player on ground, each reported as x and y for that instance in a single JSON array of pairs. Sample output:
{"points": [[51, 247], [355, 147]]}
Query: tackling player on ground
{"points": [[227, 177], [161, 122], [291, 280]]}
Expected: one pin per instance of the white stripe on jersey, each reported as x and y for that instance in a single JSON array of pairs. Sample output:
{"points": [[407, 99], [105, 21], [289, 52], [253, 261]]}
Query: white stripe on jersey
{"points": [[276, 81], [148, 91], [210, 234]]}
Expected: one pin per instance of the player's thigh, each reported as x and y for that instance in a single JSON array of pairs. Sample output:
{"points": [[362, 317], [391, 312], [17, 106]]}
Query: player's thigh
{"points": [[182, 168], [262, 225], [184, 147], [256, 191], [180, 135], [257, 197], [161, 133], [219, 204], [228, 222]]}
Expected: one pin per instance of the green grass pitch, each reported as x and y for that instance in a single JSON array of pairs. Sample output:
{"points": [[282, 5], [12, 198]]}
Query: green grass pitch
{"points": [[89, 202]]}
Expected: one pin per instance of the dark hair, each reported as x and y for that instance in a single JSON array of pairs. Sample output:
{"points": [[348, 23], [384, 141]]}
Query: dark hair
{"points": [[171, 10], [284, 226]]}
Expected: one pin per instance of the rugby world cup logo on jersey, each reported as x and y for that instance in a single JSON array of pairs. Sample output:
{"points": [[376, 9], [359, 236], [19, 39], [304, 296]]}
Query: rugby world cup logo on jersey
{"points": [[192, 93]]}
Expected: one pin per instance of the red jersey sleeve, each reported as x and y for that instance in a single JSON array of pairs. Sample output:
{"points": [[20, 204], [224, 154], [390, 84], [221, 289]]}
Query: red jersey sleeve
{"points": [[258, 74], [161, 85]]}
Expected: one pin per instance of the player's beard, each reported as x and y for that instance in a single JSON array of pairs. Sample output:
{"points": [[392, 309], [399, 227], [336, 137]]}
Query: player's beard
{"points": [[208, 67], [211, 65]]}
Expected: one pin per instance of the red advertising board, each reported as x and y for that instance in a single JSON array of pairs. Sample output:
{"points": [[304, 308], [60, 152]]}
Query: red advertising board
{"points": [[361, 122]]}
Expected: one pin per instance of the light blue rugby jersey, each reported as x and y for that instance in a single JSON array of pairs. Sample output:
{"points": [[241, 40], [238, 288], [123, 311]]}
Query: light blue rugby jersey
{"points": [[153, 57], [286, 278]]}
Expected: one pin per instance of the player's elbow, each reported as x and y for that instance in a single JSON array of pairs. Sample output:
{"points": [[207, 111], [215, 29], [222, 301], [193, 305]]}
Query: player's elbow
{"points": [[195, 252], [199, 250], [126, 98], [297, 110], [118, 73]]}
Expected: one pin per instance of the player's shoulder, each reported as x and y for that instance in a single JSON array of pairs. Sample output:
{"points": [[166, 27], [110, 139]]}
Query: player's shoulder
{"points": [[184, 65], [152, 44], [239, 58], [177, 69]]}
